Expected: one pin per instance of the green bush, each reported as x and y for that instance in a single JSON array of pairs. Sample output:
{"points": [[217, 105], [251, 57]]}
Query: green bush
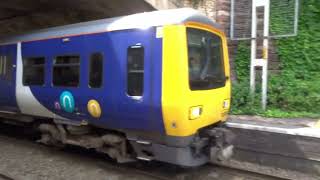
{"points": [[296, 90]]}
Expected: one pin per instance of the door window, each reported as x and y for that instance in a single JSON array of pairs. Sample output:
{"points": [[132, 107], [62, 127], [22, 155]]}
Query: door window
{"points": [[6, 67], [96, 70], [135, 70]]}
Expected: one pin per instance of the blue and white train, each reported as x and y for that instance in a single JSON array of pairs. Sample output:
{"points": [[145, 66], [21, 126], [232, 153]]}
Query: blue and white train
{"points": [[148, 86]]}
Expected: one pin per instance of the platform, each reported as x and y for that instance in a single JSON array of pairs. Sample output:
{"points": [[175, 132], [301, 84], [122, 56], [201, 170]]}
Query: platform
{"points": [[287, 148], [292, 126]]}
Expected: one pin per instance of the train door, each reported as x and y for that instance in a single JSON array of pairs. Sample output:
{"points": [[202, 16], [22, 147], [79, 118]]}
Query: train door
{"points": [[135, 95], [7, 78]]}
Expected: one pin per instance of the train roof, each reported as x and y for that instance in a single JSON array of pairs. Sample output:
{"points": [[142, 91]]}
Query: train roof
{"points": [[140, 20]]}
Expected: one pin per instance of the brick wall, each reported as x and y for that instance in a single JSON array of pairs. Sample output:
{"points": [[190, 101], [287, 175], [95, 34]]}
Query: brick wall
{"points": [[219, 11]]}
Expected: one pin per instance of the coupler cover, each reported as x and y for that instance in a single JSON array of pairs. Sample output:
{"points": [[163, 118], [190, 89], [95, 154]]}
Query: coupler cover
{"points": [[221, 144]]}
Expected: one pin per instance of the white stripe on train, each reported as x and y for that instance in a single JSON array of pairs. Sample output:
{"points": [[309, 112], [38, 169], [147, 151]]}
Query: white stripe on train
{"points": [[26, 101]]}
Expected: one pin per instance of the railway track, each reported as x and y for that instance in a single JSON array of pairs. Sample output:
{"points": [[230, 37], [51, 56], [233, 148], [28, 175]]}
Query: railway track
{"points": [[218, 172], [207, 172], [5, 177], [147, 170]]}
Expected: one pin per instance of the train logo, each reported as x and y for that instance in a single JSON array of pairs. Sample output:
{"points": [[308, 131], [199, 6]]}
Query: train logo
{"points": [[94, 108], [57, 105], [67, 101]]}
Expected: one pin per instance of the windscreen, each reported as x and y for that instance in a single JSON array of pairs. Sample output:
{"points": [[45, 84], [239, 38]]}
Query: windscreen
{"points": [[205, 56]]}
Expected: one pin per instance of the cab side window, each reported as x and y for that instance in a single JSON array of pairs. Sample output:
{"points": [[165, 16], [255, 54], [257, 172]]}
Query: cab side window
{"points": [[66, 71], [96, 70], [33, 71], [135, 70]]}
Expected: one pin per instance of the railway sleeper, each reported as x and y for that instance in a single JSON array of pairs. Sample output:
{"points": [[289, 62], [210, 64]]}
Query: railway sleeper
{"points": [[114, 145]]}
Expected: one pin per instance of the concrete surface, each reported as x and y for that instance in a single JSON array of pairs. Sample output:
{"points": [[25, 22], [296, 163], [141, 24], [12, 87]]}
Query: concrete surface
{"points": [[27, 161], [306, 127], [18, 16], [284, 147]]}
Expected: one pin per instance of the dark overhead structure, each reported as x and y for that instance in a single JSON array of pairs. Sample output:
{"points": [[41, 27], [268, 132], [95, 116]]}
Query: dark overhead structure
{"points": [[17, 16]]}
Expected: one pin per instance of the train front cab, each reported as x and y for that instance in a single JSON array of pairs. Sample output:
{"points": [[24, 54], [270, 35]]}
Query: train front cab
{"points": [[195, 88], [195, 78]]}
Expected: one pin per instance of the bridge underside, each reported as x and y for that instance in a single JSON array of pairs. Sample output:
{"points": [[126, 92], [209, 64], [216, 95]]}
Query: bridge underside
{"points": [[17, 16]]}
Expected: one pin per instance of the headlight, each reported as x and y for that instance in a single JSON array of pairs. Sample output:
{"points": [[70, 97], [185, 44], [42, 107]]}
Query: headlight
{"points": [[226, 104], [195, 112]]}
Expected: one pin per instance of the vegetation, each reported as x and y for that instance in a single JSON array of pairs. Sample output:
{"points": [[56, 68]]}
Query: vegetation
{"points": [[295, 92]]}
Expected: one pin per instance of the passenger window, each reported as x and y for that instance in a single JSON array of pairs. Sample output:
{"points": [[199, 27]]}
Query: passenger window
{"points": [[2, 65], [66, 71], [96, 70], [33, 71], [135, 70], [6, 67]]}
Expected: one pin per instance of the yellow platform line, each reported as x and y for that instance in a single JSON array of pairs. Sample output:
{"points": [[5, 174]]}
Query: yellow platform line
{"points": [[317, 124]]}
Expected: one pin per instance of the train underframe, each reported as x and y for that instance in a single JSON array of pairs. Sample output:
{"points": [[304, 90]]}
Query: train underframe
{"points": [[212, 143]]}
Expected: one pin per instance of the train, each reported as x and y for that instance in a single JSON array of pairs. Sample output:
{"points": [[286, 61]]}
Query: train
{"points": [[147, 86]]}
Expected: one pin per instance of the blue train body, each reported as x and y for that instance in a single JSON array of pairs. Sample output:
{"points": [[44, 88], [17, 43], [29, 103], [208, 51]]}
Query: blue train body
{"points": [[108, 107], [112, 95]]}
